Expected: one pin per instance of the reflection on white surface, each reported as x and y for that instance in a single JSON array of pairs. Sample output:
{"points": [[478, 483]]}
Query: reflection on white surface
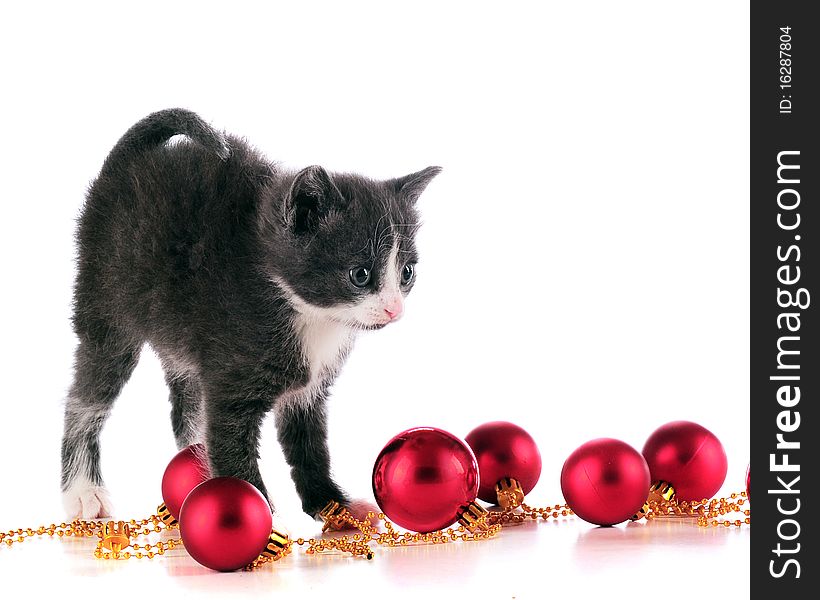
{"points": [[532, 560]]}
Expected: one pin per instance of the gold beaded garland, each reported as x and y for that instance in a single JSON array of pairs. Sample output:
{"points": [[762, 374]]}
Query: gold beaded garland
{"points": [[476, 524], [706, 511], [113, 537]]}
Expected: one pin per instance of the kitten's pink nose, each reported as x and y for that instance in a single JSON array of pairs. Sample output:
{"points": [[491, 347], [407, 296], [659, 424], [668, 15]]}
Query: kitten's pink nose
{"points": [[393, 308]]}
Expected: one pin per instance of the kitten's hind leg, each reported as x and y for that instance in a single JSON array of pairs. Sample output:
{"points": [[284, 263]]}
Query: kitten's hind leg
{"points": [[186, 408], [104, 361]]}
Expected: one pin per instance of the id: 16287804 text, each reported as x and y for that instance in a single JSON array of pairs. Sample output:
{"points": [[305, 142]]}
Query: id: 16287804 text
{"points": [[785, 70]]}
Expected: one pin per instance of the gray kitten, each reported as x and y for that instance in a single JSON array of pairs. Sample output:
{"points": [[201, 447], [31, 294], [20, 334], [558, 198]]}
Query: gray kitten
{"points": [[249, 282]]}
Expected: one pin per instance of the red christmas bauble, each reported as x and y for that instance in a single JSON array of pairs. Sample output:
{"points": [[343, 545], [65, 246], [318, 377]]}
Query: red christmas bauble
{"points": [[186, 470], [502, 450], [225, 523], [422, 478], [689, 457], [605, 481], [749, 483]]}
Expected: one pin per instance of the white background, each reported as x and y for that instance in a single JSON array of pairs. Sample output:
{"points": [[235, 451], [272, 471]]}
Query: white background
{"points": [[585, 253]]}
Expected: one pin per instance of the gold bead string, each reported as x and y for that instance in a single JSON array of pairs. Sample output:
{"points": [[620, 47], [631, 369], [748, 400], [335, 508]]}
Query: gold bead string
{"points": [[391, 537], [707, 512], [76, 528], [515, 511], [358, 544], [486, 526], [354, 545], [726, 506], [524, 512], [113, 537]]}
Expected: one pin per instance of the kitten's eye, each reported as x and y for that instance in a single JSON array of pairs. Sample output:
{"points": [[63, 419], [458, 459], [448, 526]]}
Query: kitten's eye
{"points": [[360, 276], [407, 274]]}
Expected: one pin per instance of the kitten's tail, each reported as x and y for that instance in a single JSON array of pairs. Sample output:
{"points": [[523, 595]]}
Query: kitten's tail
{"points": [[159, 127]]}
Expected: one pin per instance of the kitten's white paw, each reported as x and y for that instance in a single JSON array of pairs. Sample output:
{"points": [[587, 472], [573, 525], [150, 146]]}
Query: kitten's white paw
{"points": [[87, 502]]}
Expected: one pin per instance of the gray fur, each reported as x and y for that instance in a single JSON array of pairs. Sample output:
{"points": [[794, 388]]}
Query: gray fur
{"points": [[206, 251]]}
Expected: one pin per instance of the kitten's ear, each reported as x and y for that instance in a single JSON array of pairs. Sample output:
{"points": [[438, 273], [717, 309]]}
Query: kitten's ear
{"points": [[411, 186], [312, 196]]}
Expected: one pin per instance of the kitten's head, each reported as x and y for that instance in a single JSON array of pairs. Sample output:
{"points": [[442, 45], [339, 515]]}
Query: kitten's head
{"points": [[351, 255]]}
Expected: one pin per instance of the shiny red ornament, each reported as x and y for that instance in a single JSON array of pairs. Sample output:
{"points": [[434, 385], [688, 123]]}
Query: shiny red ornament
{"points": [[749, 483], [687, 456], [605, 481], [423, 477], [225, 523], [502, 450], [186, 470]]}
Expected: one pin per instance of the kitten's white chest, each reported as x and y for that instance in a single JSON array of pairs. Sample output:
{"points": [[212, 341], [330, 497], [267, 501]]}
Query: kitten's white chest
{"points": [[324, 344]]}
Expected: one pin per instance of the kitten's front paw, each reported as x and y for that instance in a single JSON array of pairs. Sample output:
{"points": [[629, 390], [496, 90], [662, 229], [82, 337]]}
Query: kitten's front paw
{"points": [[87, 502]]}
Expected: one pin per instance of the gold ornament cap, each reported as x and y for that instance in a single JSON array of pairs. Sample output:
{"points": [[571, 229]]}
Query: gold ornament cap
{"points": [[659, 491], [278, 545], [509, 492], [116, 536], [642, 512], [333, 515], [165, 516], [473, 516]]}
